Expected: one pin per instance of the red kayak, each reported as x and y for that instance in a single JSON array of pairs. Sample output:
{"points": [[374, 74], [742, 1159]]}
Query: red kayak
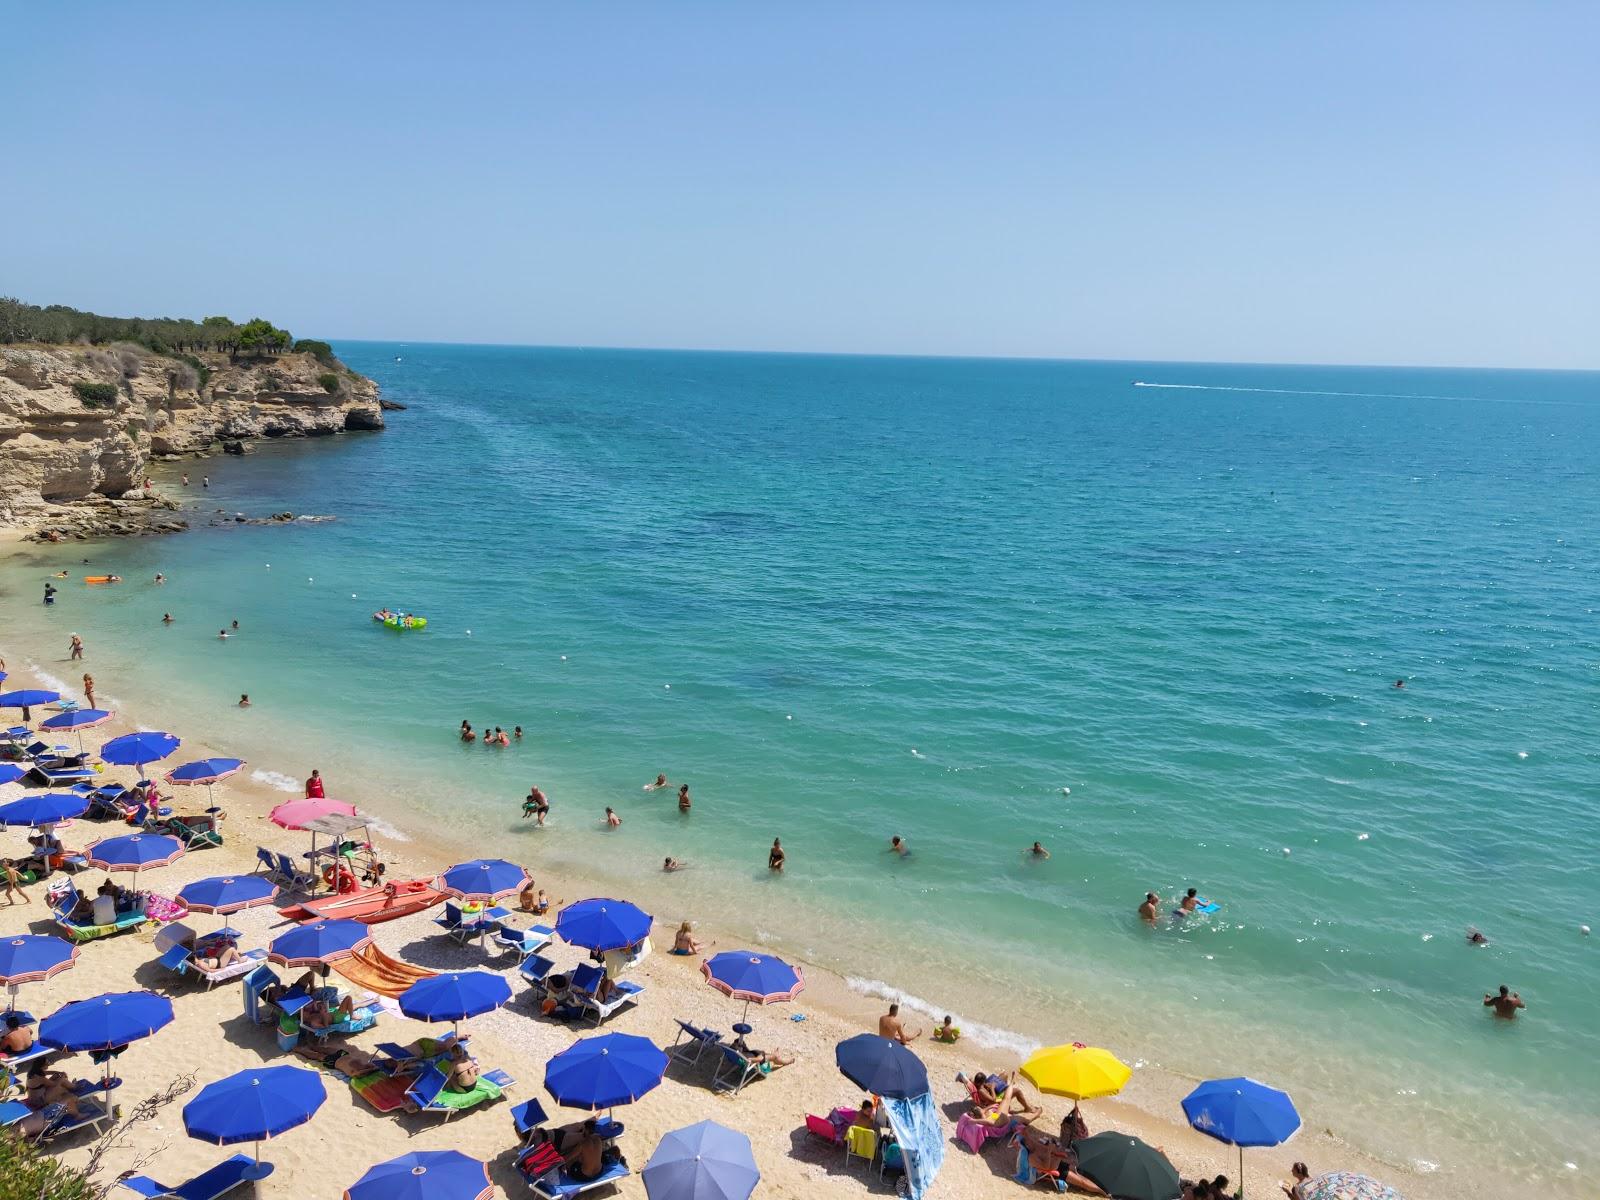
{"points": [[370, 905]]}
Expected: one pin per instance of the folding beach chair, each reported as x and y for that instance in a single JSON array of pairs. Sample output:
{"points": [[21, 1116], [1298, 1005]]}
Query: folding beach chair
{"points": [[698, 1041], [208, 1185]]}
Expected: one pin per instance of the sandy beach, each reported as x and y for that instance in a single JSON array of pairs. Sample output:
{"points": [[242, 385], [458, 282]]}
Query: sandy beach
{"points": [[210, 1038]]}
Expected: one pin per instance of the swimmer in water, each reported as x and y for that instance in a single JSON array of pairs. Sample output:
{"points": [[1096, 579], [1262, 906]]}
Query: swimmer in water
{"points": [[160, 578], [672, 864], [1189, 903], [516, 733], [1505, 1004], [898, 846], [222, 634], [1038, 851], [612, 820], [661, 782], [244, 700], [1400, 683], [166, 618], [1150, 909], [1475, 937]]}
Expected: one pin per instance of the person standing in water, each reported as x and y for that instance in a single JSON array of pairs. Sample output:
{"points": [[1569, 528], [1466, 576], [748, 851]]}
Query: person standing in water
{"points": [[1150, 909], [775, 856], [683, 798], [88, 688], [898, 846], [1505, 1003], [1038, 851], [612, 820], [77, 647]]}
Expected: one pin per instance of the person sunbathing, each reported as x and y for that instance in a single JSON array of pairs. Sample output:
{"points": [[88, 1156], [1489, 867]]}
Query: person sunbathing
{"points": [[768, 1061], [1047, 1156], [605, 989], [866, 1115], [217, 956], [50, 1096], [319, 1014], [685, 942], [346, 1060], [1016, 1102], [463, 1070], [18, 1038]]}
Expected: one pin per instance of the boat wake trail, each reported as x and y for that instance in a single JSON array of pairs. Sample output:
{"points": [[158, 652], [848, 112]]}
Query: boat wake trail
{"points": [[1218, 387]]}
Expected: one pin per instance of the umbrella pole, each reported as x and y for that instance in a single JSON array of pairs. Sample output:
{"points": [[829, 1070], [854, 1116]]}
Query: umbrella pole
{"points": [[1241, 1172]]}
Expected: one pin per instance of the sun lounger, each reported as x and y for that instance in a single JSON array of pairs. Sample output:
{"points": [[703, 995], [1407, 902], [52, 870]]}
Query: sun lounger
{"points": [[266, 863], [218, 1181], [823, 1129], [91, 1115], [560, 1185], [12, 1111], [462, 926], [429, 1094], [734, 1071], [42, 776], [181, 960], [35, 1052], [534, 969], [586, 978], [526, 1118], [698, 1042], [87, 931], [521, 942], [197, 832]]}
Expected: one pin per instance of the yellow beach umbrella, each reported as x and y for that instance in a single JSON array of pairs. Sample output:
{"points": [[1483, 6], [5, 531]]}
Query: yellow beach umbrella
{"points": [[1077, 1072]]}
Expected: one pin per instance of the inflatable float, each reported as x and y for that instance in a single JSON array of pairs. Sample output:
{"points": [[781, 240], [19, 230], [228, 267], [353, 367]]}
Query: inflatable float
{"points": [[399, 620], [102, 578]]}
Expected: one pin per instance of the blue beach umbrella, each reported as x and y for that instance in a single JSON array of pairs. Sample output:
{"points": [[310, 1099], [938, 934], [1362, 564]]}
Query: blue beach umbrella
{"points": [[30, 957], [223, 894], [28, 698], [137, 749], [134, 852], [254, 1105], [47, 809], [77, 719], [1242, 1112], [319, 943], [753, 978], [705, 1161], [483, 879], [105, 1022], [602, 1072], [603, 924], [10, 772], [204, 771], [454, 996], [425, 1175], [881, 1066]]}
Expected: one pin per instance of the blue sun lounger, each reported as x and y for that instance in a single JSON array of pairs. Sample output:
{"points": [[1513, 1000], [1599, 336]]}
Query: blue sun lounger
{"points": [[698, 1042], [521, 942], [218, 1181], [586, 978], [560, 1185], [91, 1115]]}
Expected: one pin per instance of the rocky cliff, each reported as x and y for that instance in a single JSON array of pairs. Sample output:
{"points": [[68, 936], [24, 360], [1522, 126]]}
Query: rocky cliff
{"points": [[79, 423]]}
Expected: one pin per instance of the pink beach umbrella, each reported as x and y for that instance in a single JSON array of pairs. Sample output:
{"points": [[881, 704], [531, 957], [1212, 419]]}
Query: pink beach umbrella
{"points": [[295, 814]]}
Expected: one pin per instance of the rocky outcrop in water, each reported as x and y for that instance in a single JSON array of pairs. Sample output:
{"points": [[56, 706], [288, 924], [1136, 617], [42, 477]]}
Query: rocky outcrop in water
{"points": [[78, 424]]}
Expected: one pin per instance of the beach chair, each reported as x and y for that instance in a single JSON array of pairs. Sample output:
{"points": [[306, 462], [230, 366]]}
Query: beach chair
{"points": [[1027, 1175], [507, 939], [33, 1054], [292, 876], [429, 1094], [208, 1185], [91, 1115], [526, 1118], [43, 776], [197, 832], [586, 978], [461, 927], [691, 1043], [734, 1071], [860, 1142], [179, 959], [891, 1159], [558, 1184], [823, 1130], [535, 968], [266, 863]]}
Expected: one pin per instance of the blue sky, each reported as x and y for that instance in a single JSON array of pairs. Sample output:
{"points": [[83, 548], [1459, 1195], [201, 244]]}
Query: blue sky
{"points": [[1386, 183]]}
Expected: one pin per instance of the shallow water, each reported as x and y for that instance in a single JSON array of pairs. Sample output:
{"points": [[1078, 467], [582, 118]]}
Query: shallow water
{"points": [[975, 603]]}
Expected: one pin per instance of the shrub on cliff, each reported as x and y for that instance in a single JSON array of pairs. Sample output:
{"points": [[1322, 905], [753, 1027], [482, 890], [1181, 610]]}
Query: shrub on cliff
{"points": [[27, 1173], [320, 351], [96, 394], [329, 382]]}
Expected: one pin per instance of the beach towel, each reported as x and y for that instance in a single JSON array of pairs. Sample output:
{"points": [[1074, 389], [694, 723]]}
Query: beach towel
{"points": [[975, 1134], [162, 909], [916, 1128], [484, 1089], [386, 1093], [374, 970]]}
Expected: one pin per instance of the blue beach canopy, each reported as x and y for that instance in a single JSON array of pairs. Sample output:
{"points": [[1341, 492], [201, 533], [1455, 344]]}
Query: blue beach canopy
{"points": [[1242, 1112], [881, 1066], [425, 1175], [28, 698], [603, 924], [602, 1072], [105, 1022], [227, 893], [318, 943], [30, 957], [46, 809], [204, 770], [10, 772], [134, 851], [757, 978], [254, 1105], [483, 879], [705, 1161], [136, 749], [454, 996], [76, 718]]}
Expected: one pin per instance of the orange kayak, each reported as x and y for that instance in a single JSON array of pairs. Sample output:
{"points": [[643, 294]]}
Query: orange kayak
{"points": [[370, 905]]}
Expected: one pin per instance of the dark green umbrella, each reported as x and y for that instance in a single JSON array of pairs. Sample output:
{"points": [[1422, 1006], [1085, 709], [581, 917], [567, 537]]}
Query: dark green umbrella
{"points": [[1127, 1168]]}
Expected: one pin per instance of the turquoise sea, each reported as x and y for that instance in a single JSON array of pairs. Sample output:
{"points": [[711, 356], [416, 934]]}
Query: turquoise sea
{"points": [[975, 603]]}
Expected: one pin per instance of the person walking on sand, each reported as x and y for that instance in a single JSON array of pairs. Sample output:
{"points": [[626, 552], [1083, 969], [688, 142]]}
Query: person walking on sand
{"points": [[314, 786], [88, 688], [1505, 1003], [889, 1026], [683, 798], [612, 820], [1150, 909], [775, 856], [77, 647]]}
